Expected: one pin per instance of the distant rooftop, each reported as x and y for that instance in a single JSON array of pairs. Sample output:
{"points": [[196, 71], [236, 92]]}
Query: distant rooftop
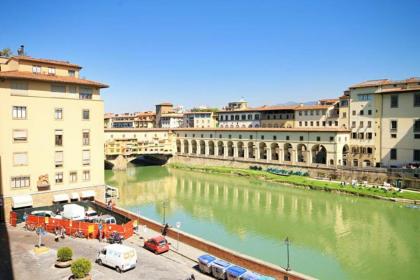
{"points": [[42, 60], [381, 82]]}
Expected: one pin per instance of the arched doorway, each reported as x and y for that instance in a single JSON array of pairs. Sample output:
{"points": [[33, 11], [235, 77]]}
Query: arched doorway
{"points": [[345, 155], [194, 147], [178, 146], [202, 147], [275, 151], [211, 148], [241, 152], [263, 150], [221, 148], [302, 153], [230, 148], [251, 153], [287, 152], [319, 154], [186, 147]]}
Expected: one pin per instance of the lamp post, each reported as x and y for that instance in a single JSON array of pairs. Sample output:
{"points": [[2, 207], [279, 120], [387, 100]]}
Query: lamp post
{"points": [[178, 226], [164, 212], [288, 259]]}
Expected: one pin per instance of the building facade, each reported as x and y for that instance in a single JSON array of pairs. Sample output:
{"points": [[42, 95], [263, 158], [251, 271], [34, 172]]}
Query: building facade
{"points": [[199, 120], [51, 149]]}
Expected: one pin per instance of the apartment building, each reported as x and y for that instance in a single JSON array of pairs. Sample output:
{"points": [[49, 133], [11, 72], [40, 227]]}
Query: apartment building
{"points": [[130, 120], [199, 120], [324, 114], [385, 122], [51, 149], [171, 120], [277, 116], [238, 115]]}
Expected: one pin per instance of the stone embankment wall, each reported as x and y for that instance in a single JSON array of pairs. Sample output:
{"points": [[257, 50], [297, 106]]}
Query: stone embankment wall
{"points": [[373, 175], [216, 250]]}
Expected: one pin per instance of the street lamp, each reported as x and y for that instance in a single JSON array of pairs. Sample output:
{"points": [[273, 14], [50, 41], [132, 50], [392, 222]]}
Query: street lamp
{"points": [[287, 246], [178, 226], [164, 212]]}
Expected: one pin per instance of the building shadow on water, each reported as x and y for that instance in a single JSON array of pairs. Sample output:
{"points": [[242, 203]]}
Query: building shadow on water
{"points": [[6, 269]]}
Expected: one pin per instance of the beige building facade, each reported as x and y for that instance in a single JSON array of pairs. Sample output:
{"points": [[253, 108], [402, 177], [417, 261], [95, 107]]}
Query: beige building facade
{"points": [[51, 122]]}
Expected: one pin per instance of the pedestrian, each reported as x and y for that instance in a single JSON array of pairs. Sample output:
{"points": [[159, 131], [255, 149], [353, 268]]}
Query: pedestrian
{"points": [[25, 217], [165, 229]]}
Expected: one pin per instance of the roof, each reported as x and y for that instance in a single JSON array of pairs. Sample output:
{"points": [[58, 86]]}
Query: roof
{"points": [[46, 61], [312, 107], [380, 82], [49, 78], [165, 104], [158, 238], [119, 247], [277, 108], [172, 115], [194, 113], [259, 129]]}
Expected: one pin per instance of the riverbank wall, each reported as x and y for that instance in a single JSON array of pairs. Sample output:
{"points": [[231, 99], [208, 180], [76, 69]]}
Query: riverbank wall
{"points": [[216, 250], [372, 175]]}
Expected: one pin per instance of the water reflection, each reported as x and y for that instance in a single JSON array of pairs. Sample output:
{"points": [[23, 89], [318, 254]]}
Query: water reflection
{"points": [[334, 237]]}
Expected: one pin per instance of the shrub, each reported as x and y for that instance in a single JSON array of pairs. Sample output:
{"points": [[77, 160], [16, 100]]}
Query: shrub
{"points": [[81, 268], [64, 254]]}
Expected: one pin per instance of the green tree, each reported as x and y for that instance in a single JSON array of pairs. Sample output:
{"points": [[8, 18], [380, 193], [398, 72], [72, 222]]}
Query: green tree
{"points": [[6, 52]]}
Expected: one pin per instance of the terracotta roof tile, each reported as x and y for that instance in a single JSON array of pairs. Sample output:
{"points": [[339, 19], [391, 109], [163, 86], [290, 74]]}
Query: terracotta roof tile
{"points": [[49, 78], [46, 61]]}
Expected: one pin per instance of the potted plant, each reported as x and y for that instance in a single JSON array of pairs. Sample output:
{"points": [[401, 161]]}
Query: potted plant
{"points": [[81, 268], [64, 255]]}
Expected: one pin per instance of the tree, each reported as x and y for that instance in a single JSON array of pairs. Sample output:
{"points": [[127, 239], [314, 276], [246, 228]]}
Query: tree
{"points": [[6, 52]]}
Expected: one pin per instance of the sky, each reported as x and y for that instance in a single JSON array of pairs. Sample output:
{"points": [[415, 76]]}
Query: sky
{"points": [[211, 52]]}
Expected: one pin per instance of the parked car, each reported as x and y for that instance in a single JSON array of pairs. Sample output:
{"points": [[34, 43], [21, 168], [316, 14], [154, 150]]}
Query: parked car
{"points": [[45, 213], [105, 219], [117, 256], [91, 215], [157, 244], [74, 212]]}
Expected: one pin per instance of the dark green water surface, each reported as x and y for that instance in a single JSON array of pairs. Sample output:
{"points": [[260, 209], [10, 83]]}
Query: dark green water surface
{"points": [[333, 236]]}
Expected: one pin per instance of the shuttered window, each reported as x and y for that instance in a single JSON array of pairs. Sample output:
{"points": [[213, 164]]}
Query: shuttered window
{"points": [[59, 158], [20, 182], [20, 135], [86, 157], [20, 158]]}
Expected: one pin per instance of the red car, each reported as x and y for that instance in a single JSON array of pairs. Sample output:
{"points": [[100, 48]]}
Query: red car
{"points": [[157, 244]]}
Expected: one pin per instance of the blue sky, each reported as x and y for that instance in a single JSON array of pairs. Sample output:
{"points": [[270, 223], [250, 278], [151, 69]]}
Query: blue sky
{"points": [[212, 52]]}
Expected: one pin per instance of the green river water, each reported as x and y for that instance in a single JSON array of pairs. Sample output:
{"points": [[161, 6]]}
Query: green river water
{"points": [[332, 236]]}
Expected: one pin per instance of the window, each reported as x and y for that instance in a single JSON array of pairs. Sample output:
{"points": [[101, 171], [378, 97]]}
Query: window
{"points": [[19, 87], [306, 113], [344, 115], [317, 112], [393, 154], [300, 113], [59, 137], [306, 123], [51, 71], [301, 138], [317, 123], [257, 117], [72, 89], [416, 126], [20, 159], [369, 112], [394, 101], [361, 112], [20, 135], [86, 175], [416, 155], [85, 114], [364, 97], [59, 177], [318, 138], [250, 136], [417, 99], [249, 117], [19, 112], [330, 123], [20, 182], [369, 135], [240, 136], [300, 123], [353, 113], [312, 112], [72, 73], [331, 138], [262, 137], [324, 123], [274, 137], [353, 124], [369, 124], [393, 135], [236, 117], [58, 88], [58, 113], [86, 157], [73, 177], [312, 123], [354, 135], [85, 93], [416, 136], [59, 155], [394, 125], [361, 124], [36, 69], [287, 137], [336, 123]]}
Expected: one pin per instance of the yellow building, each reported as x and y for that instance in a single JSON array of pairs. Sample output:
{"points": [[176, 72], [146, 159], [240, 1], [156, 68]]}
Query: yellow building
{"points": [[51, 122]]}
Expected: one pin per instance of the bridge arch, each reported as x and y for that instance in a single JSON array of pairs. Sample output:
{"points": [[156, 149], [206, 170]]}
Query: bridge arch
{"points": [[287, 147]]}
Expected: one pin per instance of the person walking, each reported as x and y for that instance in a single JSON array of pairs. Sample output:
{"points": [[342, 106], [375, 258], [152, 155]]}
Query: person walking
{"points": [[100, 228]]}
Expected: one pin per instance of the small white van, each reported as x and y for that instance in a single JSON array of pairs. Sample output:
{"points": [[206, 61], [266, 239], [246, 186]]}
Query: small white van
{"points": [[117, 256]]}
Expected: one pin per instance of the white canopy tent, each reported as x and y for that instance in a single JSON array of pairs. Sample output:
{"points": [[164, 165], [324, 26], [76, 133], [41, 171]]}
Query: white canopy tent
{"points": [[61, 197], [75, 196], [20, 201], [86, 194]]}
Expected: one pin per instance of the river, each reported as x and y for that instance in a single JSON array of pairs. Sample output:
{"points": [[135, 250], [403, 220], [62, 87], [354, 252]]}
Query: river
{"points": [[332, 236]]}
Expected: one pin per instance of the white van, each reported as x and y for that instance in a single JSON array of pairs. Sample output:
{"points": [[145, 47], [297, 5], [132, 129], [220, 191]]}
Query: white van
{"points": [[117, 256], [73, 212]]}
